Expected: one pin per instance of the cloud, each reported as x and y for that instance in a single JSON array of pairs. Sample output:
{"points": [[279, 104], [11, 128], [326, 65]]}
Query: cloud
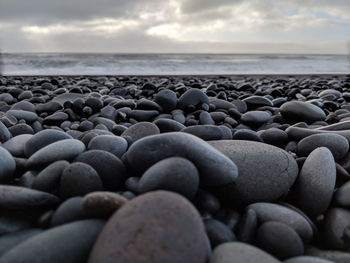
{"points": [[173, 25]]}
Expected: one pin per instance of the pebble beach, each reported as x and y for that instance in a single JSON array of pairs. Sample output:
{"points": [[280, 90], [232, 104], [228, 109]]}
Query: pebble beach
{"points": [[175, 169]]}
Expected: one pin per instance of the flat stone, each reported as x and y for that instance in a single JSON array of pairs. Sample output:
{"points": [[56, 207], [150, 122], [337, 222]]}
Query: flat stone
{"points": [[168, 125], [255, 118], [265, 171], [240, 252], [214, 167], [205, 132], [313, 190], [70, 243], [163, 225]]}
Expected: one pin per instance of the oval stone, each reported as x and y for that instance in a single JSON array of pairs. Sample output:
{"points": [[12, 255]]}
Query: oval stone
{"points": [[337, 144], [214, 167], [314, 187], [302, 111], [265, 171], [110, 143], [140, 130], [66, 149], [163, 225]]}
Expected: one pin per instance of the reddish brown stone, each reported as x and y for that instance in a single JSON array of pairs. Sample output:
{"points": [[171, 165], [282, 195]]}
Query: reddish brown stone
{"points": [[157, 227]]}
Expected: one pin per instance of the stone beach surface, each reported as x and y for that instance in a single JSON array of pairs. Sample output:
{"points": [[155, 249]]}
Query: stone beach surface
{"points": [[163, 169]]}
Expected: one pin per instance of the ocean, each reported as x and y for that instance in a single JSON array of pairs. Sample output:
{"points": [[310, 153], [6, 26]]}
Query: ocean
{"points": [[171, 64]]}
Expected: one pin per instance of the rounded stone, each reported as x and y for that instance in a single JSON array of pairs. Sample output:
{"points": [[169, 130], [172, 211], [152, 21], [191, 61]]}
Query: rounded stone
{"points": [[66, 149], [109, 167], [42, 139], [273, 212], [166, 99], [214, 167], [302, 111], [79, 179], [313, 190], [240, 252], [337, 144], [69, 211], [103, 204], [140, 130], [48, 179], [110, 143], [173, 174], [193, 97], [7, 166], [163, 225], [265, 171], [279, 240], [70, 243], [274, 136]]}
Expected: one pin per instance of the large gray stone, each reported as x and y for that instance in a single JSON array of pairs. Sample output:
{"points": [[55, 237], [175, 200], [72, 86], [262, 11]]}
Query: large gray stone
{"points": [[265, 171]]}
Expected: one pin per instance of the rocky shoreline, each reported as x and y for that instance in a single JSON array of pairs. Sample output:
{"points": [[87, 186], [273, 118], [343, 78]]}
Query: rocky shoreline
{"points": [[164, 169]]}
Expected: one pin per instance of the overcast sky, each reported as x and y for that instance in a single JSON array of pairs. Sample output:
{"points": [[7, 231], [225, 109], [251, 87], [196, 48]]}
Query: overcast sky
{"points": [[175, 26]]}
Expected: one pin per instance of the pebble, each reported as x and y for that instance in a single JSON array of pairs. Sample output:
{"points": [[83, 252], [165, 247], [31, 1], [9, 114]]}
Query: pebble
{"points": [[78, 179], [68, 243], [69, 211], [110, 143], [102, 203], [48, 179], [214, 167], [255, 118], [66, 149], [279, 240], [110, 168], [140, 130], [302, 111], [337, 144], [168, 125], [205, 132], [218, 233], [240, 252], [307, 259], [341, 197], [193, 97], [174, 174], [266, 175], [16, 145], [314, 187], [42, 139], [167, 99], [273, 212], [170, 218]]}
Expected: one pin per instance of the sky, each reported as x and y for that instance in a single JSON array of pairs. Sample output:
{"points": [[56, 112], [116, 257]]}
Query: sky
{"points": [[176, 26]]}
